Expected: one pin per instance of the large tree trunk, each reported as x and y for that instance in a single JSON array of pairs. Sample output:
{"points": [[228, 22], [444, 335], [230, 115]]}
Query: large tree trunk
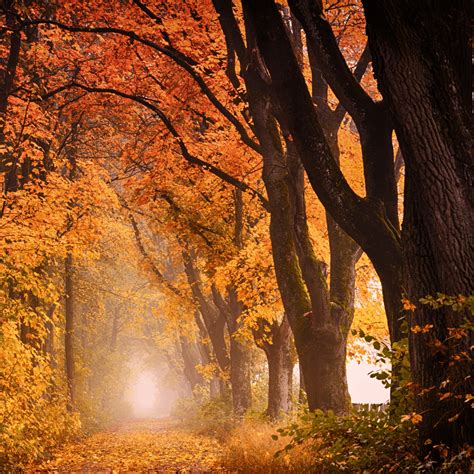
{"points": [[295, 298], [332, 309], [319, 338], [69, 332], [231, 308], [429, 44], [280, 369], [319, 347]]}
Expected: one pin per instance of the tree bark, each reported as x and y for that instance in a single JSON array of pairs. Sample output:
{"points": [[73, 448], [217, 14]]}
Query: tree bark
{"points": [[364, 219], [332, 308], [301, 388], [216, 384], [239, 352], [231, 308], [280, 369], [240, 377], [295, 298], [429, 44]]}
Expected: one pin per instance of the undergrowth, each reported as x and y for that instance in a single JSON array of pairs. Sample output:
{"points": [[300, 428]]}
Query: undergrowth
{"points": [[315, 442]]}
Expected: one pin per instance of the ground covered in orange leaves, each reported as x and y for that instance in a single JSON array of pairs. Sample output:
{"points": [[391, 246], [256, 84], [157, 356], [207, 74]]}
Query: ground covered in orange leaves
{"points": [[149, 446]]}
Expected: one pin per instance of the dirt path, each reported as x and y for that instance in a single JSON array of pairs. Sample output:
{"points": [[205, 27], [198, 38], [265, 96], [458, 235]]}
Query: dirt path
{"points": [[148, 446]]}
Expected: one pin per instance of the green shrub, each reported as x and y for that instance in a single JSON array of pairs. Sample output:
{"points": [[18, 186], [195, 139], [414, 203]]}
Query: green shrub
{"points": [[365, 441]]}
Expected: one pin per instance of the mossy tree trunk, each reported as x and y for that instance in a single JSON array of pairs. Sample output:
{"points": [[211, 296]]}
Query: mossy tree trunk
{"points": [[280, 368], [319, 339]]}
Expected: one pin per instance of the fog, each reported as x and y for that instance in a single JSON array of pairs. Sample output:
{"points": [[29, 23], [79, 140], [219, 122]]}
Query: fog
{"points": [[143, 395], [150, 395], [363, 388]]}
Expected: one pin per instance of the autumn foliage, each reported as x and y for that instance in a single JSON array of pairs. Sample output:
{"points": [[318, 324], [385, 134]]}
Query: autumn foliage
{"points": [[212, 191]]}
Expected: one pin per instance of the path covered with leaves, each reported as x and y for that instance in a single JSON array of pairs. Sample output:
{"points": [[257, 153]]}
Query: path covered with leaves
{"points": [[147, 446]]}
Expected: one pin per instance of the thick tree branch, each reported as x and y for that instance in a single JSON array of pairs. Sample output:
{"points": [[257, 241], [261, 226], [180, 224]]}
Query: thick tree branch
{"points": [[331, 61], [359, 72], [372, 118], [363, 219], [231, 28]]}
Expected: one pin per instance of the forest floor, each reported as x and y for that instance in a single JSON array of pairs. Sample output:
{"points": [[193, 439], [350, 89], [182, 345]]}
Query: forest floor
{"points": [[140, 446]]}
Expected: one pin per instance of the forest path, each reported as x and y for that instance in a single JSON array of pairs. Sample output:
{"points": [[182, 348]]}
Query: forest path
{"points": [[140, 446]]}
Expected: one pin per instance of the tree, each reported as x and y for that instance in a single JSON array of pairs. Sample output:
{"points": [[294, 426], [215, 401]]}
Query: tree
{"points": [[320, 332], [432, 121], [364, 219]]}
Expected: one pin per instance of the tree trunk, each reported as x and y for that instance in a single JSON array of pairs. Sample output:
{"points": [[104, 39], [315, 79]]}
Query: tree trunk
{"points": [[429, 43], [332, 309], [216, 389], [8, 163], [240, 377], [231, 308], [48, 346], [214, 320], [318, 338], [302, 388], [295, 298], [190, 356], [280, 370], [69, 332]]}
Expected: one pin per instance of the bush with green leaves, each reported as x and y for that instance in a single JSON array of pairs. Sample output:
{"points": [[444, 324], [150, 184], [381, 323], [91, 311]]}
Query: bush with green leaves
{"points": [[365, 441]]}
